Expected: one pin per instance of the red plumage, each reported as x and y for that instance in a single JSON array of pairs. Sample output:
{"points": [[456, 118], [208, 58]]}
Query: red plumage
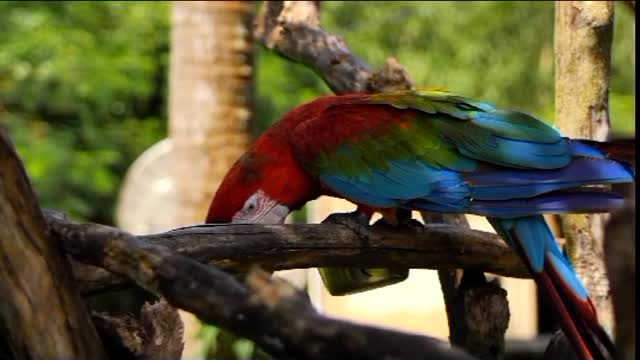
{"points": [[270, 164]]}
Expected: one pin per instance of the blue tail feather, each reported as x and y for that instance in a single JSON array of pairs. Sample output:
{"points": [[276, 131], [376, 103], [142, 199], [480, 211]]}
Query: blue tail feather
{"points": [[558, 202], [561, 288], [533, 235], [504, 183]]}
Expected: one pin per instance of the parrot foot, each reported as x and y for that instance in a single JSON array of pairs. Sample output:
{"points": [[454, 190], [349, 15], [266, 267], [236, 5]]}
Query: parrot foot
{"points": [[344, 281], [356, 221], [412, 224], [403, 220]]}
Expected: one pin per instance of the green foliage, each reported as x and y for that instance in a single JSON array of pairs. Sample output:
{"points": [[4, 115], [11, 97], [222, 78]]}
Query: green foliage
{"points": [[482, 49], [221, 344], [282, 85], [83, 87]]}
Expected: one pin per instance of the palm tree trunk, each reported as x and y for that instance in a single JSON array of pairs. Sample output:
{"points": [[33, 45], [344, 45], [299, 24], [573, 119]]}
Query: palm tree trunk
{"points": [[210, 97], [210, 108]]}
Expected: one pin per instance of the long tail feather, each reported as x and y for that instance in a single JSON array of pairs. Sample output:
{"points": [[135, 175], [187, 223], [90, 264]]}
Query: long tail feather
{"points": [[569, 201], [533, 240], [495, 183]]}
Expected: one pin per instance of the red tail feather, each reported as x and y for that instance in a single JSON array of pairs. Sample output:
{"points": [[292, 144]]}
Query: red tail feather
{"points": [[577, 318], [621, 149]]}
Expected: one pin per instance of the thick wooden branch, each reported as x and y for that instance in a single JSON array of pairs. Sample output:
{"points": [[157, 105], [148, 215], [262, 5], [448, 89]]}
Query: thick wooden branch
{"points": [[236, 248], [41, 313], [268, 311]]}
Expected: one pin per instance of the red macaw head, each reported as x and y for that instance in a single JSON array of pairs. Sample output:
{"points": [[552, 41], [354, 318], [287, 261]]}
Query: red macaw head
{"points": [[262, 187], [244, 196], [268, 182]]}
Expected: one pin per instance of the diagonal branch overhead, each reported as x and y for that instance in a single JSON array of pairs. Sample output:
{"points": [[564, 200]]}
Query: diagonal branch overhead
{"points": [[292, 29]]}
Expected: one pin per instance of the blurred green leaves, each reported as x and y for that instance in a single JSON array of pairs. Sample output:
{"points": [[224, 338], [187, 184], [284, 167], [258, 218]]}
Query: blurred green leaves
{"points": [[82, 86]]}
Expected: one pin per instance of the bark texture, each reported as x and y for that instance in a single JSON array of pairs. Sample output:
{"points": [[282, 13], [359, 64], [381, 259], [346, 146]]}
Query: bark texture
{"points": [[583, 35], [268, 311], [236, 248], [41, 313], [620, 258], [156, 334]]}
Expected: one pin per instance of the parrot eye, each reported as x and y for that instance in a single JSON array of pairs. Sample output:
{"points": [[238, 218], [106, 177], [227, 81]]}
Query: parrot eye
{"points": [[251, 204], [260, 209]]}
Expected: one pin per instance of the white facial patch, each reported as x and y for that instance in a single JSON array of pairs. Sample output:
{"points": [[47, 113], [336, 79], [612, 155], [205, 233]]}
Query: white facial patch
{"points": [[261, 209]]}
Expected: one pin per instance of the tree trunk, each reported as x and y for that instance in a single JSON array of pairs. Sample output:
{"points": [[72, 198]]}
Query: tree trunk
{"points": [[41, 313], [583, 34], [210, 105], [210, 97]]}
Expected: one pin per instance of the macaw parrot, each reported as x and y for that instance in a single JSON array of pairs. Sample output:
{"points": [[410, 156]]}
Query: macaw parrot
{"points": [[438, 152]]}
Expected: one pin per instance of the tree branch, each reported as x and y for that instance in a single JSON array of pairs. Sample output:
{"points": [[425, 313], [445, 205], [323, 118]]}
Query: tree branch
{"points": [[477, 310], [278, 247], [292, 29], [155, 334], [268, 311]]}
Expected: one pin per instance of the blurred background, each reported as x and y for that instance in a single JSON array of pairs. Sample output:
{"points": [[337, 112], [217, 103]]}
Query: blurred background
{"points": [[92, 92]]}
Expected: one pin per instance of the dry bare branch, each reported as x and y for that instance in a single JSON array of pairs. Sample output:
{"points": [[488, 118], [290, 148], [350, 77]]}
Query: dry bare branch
{"points": [[292, 29], [236, 247], [268, 311]]}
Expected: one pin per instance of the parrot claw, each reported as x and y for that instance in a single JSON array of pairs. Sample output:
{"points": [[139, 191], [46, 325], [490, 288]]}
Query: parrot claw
{"points": [[343, 281], [413, 224], [356, 221], [409, 223]]}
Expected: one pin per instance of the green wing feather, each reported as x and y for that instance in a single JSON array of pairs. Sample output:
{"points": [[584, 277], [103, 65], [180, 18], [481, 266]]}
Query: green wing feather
{"points": [[482, 132], [512, 124], [448, 132]]}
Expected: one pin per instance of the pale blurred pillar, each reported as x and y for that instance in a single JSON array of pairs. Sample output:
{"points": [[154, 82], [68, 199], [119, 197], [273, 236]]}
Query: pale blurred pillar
{"points": [[210, 97], [210, 108]]}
